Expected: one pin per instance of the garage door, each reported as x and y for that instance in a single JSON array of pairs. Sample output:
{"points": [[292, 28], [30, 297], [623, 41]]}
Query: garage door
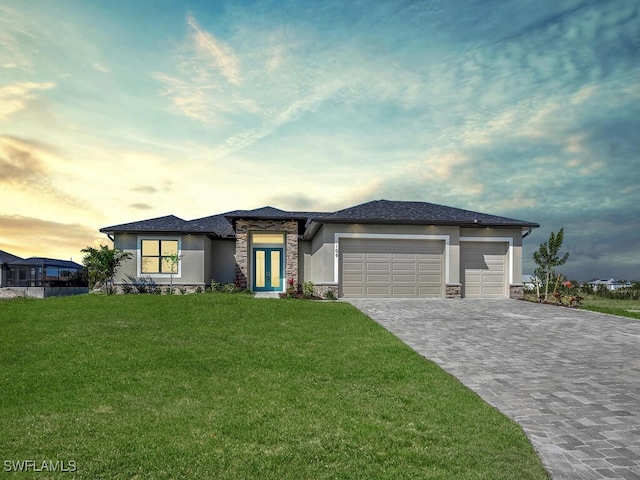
{"points": [[391, 268], [483, 269]]}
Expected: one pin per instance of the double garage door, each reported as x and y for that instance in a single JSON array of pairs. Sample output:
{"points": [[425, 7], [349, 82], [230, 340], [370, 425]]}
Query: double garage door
{"points": [[415, 268], [392, 268]]}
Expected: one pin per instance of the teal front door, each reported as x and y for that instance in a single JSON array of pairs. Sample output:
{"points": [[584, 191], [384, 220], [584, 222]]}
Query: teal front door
{"points": [[267, 271]]}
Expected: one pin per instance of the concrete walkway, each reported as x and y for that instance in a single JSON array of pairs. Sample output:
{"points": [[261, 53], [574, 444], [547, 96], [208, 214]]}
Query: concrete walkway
{"points": [[571, 378]]}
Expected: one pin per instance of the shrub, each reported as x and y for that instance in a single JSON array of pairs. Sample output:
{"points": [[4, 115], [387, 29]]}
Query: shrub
{"points": [[143, 284], [229, 288], [330, 295], [308, 289]]}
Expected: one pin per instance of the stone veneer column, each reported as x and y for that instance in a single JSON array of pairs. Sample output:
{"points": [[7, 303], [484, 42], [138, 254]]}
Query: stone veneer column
{"points": [[244, 227], [242, 261]]}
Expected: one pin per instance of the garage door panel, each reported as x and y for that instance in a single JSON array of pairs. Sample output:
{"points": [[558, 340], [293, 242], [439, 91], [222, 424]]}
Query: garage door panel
{"points": [[373, 278], [413, 268], [483, 269]]}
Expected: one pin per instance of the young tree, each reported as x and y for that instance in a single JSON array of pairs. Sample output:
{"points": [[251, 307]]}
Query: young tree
{"points": [[547, 258], [103, 263]]}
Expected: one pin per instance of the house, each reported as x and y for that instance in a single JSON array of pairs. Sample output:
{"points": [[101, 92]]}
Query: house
{"points": [[377, 249], [5, 259], [529, 282], [45, 277], [608, 283]]}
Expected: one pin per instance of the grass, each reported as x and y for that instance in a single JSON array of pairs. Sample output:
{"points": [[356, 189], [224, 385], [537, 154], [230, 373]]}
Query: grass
{"points": [[596, 303], [624, 308], [232, 387]]}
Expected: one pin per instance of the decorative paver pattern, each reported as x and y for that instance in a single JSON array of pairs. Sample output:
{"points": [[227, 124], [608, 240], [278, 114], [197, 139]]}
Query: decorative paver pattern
{"points": [[570, 378]]}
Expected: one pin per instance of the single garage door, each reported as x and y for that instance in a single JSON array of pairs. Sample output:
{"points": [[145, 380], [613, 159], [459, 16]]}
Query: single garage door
{"points": [[391, 268], [483, 269]]}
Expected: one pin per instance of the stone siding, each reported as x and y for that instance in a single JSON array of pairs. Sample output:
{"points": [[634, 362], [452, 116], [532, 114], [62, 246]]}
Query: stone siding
{"points": [[516, 291], [454, 290], [244, 227], [321, 289]]}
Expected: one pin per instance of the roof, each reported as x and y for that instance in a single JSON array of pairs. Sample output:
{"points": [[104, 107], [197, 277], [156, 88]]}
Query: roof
{"points": [[271, 213], [377, 211], [48, 262], [396, 212], [6, 257]]}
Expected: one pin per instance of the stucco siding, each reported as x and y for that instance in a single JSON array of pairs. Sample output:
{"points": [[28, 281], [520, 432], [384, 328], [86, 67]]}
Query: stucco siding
{"points": [[222, 262]]}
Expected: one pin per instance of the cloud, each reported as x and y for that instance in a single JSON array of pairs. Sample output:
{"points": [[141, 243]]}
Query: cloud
{"points": [[213, 53], [29, 236], [141, 206], [16, 97], [26, 165], [100, 68], [13, 39], [145, 189]]}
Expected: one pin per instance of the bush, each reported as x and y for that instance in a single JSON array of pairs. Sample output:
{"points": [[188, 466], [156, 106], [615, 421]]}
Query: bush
{"points": [[308, 289], [330, 295], [143, 285], [229, 288]]}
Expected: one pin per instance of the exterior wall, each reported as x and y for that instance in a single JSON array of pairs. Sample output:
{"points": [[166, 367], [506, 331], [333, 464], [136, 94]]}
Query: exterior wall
{"points": [[304, 257], [127, 243], [222, 262], [192, 265], [45, 292], [243, 248]]}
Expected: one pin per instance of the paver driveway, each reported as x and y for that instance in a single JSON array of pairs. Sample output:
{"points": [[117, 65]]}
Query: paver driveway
{"points": [[571, 378]]}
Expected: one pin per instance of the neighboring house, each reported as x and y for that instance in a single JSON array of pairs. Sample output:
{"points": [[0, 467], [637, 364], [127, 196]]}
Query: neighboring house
{"points": [[45, 277], [5, 259], [608, 283], [377, 249], [529, 282]]}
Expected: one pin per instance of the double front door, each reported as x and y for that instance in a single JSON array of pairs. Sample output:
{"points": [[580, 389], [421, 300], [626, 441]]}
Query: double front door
{"points": [[267, 274]]}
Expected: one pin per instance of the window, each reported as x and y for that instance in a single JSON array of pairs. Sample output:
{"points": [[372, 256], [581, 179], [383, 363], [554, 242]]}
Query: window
{"points": [[261, 238], [156, 256]]}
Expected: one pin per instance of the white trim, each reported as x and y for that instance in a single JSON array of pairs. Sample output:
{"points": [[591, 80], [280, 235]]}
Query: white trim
{"points": [[508, 240], [158, 275], [389, 236]]}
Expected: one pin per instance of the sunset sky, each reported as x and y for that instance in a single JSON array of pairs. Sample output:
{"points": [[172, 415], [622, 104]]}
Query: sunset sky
{"points": [[116, 111]]}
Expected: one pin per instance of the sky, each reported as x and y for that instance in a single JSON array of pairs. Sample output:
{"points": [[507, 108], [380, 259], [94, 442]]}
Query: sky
{"points": [[117, 111]]}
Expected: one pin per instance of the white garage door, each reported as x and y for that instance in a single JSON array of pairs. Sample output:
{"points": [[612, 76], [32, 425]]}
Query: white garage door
{"points": [[483, 269], [391, 268]]}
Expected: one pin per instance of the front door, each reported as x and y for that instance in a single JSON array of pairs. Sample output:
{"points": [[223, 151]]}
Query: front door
{"points": [[267, 272]]}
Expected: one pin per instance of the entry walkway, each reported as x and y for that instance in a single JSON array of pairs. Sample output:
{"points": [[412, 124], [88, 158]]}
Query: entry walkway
{"points": [[570, 378]]}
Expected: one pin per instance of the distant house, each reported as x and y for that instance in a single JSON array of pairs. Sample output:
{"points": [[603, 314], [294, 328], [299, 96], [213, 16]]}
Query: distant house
{"points": [[43, 277], [5, 259], [529, 282], [608, 283]]}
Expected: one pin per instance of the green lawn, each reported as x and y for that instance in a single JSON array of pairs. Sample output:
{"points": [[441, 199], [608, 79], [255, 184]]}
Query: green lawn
{"points": [[232, 387], [625, 308]]}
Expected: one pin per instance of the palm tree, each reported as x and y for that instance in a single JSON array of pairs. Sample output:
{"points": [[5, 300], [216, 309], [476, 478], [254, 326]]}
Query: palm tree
{"points": [[103, 263]]}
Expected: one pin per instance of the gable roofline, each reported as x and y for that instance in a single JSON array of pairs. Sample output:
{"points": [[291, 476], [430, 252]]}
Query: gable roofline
{"points": [[47, 262], [165, 224], [6, 257]]}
